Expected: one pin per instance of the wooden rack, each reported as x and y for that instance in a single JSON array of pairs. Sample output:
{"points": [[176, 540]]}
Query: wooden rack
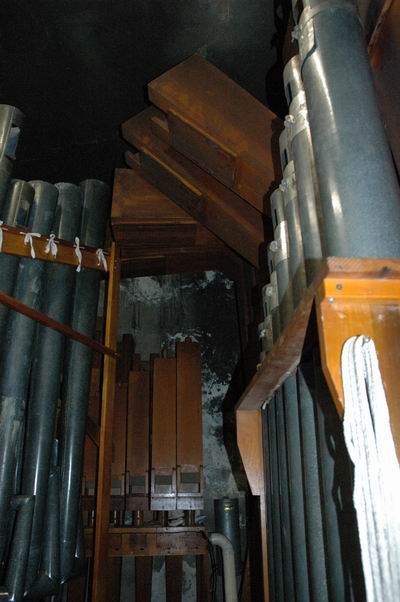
{"points": [[13, 244], [351, 297]]}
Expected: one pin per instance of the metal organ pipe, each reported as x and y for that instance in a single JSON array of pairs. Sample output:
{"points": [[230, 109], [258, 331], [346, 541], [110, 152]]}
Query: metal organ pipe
{"points": [[46, 369], [300, 141], [11, 121], [359, 192], [16, 354], [15, 212], [77, 370]]}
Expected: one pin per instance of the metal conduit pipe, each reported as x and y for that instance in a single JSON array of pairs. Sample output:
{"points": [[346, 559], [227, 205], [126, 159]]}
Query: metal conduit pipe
{"points": [[77, 370], [46, 369], [226, 512], [296, 488], [11, 121], [360, 198], [15, 575], [280, 249], [16, 353], [228, 560], [286, 528], [15, 212], [304, 164], [296, 256]]}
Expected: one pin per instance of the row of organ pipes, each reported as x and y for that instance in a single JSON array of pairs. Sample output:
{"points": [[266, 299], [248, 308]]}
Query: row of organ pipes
{"points": [[44, 378], [339, 196]]}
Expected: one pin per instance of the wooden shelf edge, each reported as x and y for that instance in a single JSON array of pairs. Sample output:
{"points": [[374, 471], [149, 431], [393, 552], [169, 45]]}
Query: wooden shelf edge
{"points": [[13, 244], [285, 355]]}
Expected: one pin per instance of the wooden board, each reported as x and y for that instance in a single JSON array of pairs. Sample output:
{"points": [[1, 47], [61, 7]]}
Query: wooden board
{"points": [[220, 126], [163, 451], [221, 211], [138, 439], [189, 425], [100, 560], [13, 244]]}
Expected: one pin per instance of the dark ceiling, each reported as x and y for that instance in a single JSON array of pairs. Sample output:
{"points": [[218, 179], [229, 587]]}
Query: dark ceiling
{"points": [[79, 68]]}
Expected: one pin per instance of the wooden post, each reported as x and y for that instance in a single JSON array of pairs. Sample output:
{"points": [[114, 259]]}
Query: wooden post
{"points": [[100, 561]]}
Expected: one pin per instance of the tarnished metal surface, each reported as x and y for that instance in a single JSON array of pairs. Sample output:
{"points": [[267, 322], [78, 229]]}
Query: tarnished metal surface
{"points": [[45, 380], [17, 348], [359, 192], [77, 369]]}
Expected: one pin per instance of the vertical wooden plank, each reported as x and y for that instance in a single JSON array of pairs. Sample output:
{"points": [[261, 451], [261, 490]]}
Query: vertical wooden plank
{"points": [[138, 440], [143, 578], [100, 559], [173, 578], [189, 425], [163, 456], [250, 443], [118, 466]]}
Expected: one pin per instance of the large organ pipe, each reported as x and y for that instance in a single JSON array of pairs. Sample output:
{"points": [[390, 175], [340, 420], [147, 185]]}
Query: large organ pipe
{"points": [[16, 354], [280, 249], [47, 364], [11, 120], [15, 212], [77, 368], [359, 192]]}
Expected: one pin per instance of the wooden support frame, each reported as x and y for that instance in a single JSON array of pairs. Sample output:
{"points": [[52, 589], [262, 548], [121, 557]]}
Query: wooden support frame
{"points": [[352, 297], [13, 244], [100, 560]]}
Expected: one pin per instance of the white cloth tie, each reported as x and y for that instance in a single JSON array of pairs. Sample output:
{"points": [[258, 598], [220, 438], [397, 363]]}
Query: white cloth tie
{"points": [[51, 246], [101, 260], [28, 240], [78, 253], [371, 448]]}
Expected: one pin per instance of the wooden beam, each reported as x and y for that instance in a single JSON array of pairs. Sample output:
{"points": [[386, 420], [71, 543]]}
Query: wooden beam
{"points": [[219, 126], [13, 244], [64, 329], [100, 561], [219, 209]]}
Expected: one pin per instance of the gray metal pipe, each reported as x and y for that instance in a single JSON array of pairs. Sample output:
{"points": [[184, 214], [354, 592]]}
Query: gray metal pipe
{"points": [[77, 370], [296, 488], [226, 514], [312, 495], [47, 580], [285, 526], [46, 369], [272, 292], [15, 212], [11, 121], [228, 559], [296, 255], [16, 353], [275, 510], [304, 163], [268, 502], [16, 566], [281, 257], [360, 198]]}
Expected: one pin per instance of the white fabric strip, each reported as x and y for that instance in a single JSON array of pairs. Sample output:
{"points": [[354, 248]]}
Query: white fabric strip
{"points": [[78, 253], [51, 246], [101, 260], [371, 448], [28, 240]]}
